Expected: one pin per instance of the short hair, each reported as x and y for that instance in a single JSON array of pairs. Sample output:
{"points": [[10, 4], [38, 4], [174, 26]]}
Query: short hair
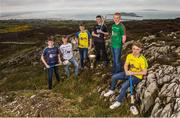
{"points": [[117, 14], [138, 44], [64, 36], [82, 24], [98, 16], [50, 38]]}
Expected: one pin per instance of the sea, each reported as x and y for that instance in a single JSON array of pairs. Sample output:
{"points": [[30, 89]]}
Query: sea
{"points": [[60, 15]]}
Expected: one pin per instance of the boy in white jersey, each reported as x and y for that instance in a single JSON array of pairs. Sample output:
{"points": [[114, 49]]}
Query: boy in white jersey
{"points": [[67, 53]]}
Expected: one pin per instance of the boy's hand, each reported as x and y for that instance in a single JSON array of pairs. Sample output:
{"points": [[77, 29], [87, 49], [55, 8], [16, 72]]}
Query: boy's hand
{"points": [[47, 66], [60, 62], [129, 73], [123, 39], [100, 31], [89, 48]]}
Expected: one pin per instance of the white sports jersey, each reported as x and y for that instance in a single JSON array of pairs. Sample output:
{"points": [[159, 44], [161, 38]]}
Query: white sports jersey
{"points": [[66, 50]]}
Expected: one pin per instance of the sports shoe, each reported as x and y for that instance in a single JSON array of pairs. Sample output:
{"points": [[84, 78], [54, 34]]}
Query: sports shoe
{"points": [[110, 92], [134, 110], [115, 105]]}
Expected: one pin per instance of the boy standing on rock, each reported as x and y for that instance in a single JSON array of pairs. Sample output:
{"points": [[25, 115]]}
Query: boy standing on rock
{"points": [[135, 67], [51, 57], [118, 38], [67, 53]]}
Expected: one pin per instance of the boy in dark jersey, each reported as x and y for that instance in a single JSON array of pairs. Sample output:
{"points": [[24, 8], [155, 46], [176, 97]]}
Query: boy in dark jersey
{"points": [[118, 38], [50, 57], [99, 32]]}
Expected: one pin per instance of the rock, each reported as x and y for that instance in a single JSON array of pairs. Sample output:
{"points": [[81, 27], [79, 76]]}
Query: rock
{"points": [[151, 78], [178, 69], [41, 104], [167, 111], [155, 109], [177, 50], [32, 96], [163, 80], [149, 97]]}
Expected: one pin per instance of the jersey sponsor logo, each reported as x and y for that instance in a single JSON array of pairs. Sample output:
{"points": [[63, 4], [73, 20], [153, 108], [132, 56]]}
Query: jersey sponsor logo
{"points": [[114, 33], [115, 28], [52, 55]]}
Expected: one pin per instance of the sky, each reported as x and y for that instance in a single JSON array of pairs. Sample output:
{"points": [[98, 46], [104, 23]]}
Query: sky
{"points": [[78, 6]]}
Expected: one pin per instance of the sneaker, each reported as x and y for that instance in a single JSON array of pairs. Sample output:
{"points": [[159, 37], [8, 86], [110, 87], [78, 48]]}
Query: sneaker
{"points": [[110, 92], [134, 110], [115, 105]]}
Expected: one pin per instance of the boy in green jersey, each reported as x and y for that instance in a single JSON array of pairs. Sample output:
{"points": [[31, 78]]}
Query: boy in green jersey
{"points": [[118, 38]]}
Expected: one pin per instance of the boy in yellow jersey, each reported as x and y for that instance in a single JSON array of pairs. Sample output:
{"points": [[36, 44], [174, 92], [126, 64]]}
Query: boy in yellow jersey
{"points": [[135, 66], [83, 37]]}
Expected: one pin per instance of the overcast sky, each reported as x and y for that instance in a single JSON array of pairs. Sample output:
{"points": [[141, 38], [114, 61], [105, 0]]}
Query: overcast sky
{"points": [[87, 5]]}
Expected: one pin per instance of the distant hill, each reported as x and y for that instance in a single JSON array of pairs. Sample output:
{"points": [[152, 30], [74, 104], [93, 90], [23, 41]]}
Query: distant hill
{"points": [[128, 14]]}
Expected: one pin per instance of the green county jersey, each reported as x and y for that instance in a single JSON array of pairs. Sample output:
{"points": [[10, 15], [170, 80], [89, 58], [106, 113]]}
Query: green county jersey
{"points": [[117, 32]]}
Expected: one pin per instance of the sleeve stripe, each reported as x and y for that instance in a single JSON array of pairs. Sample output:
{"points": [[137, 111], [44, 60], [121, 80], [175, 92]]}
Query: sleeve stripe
{"points": [[146, 64]]}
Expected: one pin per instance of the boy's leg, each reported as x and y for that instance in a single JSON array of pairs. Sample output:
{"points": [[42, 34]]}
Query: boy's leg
{"points": [[116, 60], [116, 77], [50, 73], [125, 87], [74, 62], [81, 57], [104, 53], [85, 55], [56, 73], [97, 49], [67, 71]]}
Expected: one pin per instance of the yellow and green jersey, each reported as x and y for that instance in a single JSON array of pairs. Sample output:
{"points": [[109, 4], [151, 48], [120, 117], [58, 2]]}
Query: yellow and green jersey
{"points": [[136, 64], [83, 39], [117, 32]]}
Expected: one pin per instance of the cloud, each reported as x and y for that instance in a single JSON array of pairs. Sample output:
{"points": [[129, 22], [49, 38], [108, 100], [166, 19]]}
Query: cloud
{"points": [[87, 6]]}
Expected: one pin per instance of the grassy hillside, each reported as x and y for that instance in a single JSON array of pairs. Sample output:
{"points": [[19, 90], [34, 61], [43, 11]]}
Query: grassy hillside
{"points": [[22, 70]]}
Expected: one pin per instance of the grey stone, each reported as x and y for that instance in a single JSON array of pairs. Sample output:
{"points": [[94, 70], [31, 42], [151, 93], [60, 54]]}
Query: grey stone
{"points": [[178, 69], [149, 97], [167, 111]]}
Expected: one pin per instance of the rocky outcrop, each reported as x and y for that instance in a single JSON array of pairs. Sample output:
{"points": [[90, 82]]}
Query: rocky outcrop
{"points": [[40, 103], [159, 91]]}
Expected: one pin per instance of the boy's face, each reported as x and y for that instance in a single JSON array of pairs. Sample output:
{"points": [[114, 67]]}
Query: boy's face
{"points": [[136, 50], [50, 43], [82, 28], [117, 18], [98, 20], [64, 40]]}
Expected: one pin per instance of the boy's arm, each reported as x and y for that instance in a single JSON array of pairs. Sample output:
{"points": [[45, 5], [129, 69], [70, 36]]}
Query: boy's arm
{"points": [[143, 72], [123, 39], [76, 39], [43, 60], [90, 43], [93, 34], [124, 36], [104, 31], [126, 68], [59, 59]]}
